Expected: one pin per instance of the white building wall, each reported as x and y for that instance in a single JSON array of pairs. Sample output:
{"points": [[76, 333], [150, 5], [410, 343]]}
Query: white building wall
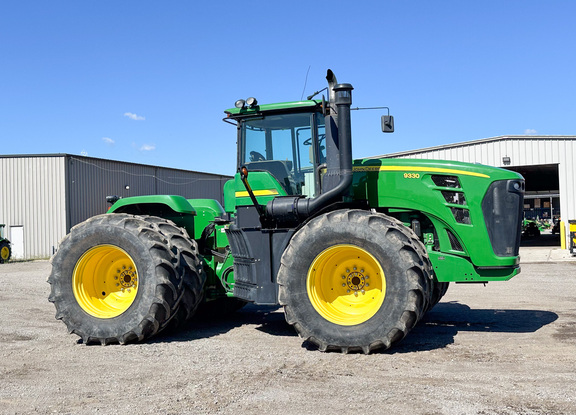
{"points": [[32, 196]]}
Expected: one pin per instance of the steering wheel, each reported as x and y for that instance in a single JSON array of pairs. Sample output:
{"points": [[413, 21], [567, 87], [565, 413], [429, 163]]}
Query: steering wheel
{"points": [[255, 156], [308, 142]]}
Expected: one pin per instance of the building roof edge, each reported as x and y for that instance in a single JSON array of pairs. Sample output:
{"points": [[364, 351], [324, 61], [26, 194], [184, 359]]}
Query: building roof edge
{"points": [[475, 142]]}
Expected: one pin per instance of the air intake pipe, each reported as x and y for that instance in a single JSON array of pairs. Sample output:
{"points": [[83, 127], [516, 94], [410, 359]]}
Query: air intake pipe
{"points": [[287, 211]]}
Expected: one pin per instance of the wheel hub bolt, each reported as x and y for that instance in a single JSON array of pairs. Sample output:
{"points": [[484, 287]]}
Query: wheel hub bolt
{"points": [[128, 278], [356, 281]]}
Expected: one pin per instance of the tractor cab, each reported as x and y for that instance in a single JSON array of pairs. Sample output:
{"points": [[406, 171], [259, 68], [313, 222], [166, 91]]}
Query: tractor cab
{"points": [[298, 154], [289, 144]]}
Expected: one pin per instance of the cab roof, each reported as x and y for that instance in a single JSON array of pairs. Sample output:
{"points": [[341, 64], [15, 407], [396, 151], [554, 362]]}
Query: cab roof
{"points": [[281, 106]]}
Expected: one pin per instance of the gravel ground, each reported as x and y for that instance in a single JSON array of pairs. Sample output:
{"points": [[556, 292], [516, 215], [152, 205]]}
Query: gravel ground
{"points": [[507, 348]]}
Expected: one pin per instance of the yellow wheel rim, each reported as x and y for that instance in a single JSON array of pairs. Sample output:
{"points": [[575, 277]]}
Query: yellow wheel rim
{"points": [[105, 281], [4, 252], [346, 285]]}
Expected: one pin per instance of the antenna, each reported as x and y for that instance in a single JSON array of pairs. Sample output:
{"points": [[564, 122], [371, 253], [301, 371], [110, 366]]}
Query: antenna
{"points": [[305, 82]]}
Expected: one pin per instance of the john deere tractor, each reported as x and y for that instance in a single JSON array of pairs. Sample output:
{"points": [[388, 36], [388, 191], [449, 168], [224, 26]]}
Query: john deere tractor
{"points": [[5, 249], [355, 251]]}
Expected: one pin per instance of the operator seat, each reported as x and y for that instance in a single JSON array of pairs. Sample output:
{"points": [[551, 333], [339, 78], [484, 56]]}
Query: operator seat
{"points": [[279, 169]]}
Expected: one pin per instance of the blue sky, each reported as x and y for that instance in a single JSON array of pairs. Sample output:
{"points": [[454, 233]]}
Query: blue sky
{"points": [[148, 81]]}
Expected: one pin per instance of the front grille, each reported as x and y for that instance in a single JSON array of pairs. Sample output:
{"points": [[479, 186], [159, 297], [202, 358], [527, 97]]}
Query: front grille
{"points": [[441, 180], [456, 198], [502, 208], [461, 215]]}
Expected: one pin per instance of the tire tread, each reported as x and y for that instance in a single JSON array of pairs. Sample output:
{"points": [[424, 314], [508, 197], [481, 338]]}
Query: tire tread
{"points": [[405, 242], [177, 269]]}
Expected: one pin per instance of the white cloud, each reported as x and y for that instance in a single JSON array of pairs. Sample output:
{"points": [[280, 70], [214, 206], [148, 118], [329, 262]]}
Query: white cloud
{"points": [[108, 140], [148, 147], [134, 117], [530, 131]]}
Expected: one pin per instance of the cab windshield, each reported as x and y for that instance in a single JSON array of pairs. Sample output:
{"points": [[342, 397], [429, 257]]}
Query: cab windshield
{"points": [[288, 146]]}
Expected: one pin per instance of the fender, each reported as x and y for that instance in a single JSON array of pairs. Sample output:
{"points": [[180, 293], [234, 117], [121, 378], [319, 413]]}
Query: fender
{"points": [[174, 208]]}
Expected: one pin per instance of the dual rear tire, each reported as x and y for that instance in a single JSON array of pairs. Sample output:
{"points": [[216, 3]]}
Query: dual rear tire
{"points": [[119, 278]]}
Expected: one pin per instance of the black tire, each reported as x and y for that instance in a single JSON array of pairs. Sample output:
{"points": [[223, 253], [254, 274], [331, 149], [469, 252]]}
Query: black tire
{"points": [[444, 288], [89, 260], [310, 272], [194, 276], [438, 291], [5, 251]]}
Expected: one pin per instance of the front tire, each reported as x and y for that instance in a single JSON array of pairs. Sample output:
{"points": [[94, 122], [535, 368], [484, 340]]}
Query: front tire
{"points": [[354, 280], [117, 278], [438, 291]]}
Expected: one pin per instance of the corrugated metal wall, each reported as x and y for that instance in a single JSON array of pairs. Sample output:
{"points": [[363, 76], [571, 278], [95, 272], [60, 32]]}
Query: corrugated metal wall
{"points": [[191, 186], [523, 151], [32, 196], [90, 180], [48, 194]]}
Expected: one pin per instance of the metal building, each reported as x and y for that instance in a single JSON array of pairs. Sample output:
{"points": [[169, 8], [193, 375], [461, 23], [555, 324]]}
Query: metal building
{"points": [[546, 162], [43, 196]]}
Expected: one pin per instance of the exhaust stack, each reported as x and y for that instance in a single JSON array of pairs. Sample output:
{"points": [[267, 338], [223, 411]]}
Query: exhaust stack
{"points": [[338, 177]]}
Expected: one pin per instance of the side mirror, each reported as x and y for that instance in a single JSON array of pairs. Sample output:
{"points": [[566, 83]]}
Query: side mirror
{"points": [[387, 124]]}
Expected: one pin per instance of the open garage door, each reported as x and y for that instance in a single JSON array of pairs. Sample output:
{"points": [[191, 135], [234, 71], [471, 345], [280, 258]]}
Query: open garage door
{"points": [[541, 204]]}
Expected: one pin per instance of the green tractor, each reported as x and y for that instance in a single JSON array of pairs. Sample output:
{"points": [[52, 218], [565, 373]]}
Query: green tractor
{"points": [[356, 251], [5, 248]]}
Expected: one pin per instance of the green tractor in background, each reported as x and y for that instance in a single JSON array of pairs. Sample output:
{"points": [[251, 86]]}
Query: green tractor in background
{"points": [[356, 251], [5, 248]]}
